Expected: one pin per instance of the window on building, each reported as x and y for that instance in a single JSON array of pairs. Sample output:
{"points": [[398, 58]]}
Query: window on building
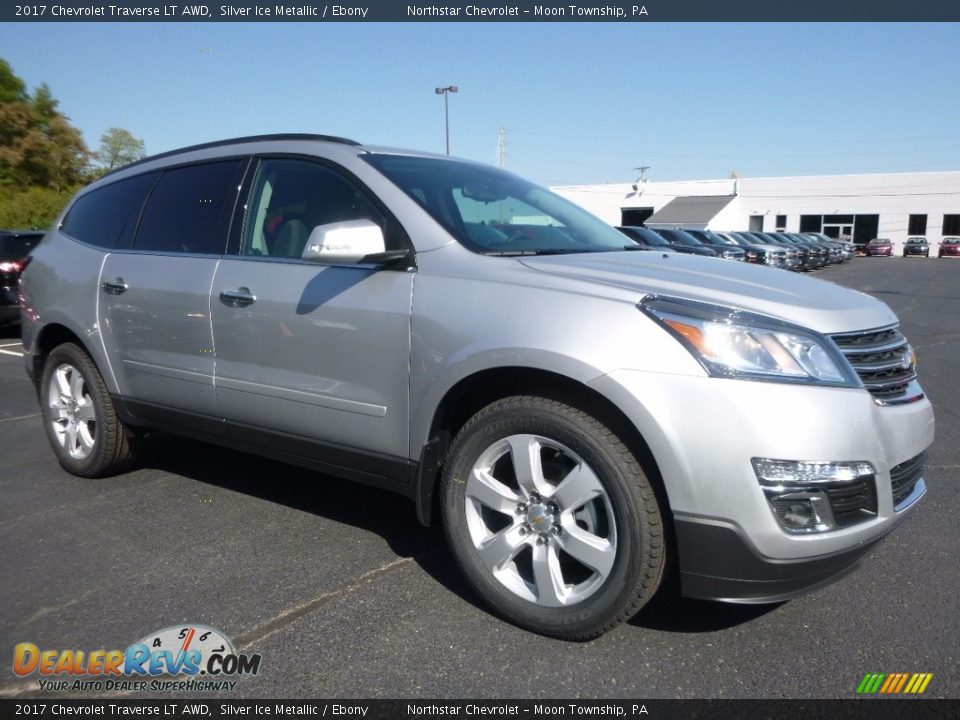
{"points": [[756, 223], [811, 223], [917, 225], [635, 216], [951, 225], [184, 213], [781, 223]]}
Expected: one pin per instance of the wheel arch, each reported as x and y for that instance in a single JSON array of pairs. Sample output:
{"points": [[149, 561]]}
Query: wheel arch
{"points": [[474, 392], [51, 336]]}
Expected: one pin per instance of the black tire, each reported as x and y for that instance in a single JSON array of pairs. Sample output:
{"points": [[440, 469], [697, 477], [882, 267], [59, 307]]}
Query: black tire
{"points": [[638, 546], [112, 449]]}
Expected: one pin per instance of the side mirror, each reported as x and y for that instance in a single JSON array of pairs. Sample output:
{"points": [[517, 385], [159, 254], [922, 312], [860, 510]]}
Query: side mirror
{"points": [[345, 242]]}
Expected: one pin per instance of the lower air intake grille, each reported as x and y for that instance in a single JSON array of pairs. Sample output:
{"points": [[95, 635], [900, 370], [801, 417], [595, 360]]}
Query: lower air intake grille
{"points": [[904, 478], [853, 502]]}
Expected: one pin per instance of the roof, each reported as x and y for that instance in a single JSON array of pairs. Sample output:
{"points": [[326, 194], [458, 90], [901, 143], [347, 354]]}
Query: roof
{"points": [[692, 210]]}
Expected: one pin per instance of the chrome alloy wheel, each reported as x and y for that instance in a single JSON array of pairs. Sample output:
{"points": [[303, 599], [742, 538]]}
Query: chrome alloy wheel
{"points": [[541, 520], [73, 414]]}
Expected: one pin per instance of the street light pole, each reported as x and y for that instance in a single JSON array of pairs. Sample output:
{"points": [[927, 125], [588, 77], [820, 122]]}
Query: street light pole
{"points": [[446, 109]]}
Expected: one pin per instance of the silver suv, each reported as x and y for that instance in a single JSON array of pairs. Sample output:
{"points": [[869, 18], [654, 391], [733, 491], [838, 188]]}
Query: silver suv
{"points": [[585, 420]]}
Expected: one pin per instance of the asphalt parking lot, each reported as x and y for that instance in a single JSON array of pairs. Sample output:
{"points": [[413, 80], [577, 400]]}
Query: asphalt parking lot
{"points": [[344, 595]]}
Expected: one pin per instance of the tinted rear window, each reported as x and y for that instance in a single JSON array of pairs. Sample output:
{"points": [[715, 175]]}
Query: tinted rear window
{"points": [[187, 209], [101, 217], [15, 247]]}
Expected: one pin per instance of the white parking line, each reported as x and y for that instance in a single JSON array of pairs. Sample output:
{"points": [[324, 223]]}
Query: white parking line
{"points": [[19, 417], [11, 352], [13, 344]]}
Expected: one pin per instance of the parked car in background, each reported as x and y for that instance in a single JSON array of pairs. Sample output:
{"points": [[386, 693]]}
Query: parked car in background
{"points": [[645, 238], [949, 247], [879, 247], [684, 242], [844, 247], [916, 246], [752, 254], [15, 246]]}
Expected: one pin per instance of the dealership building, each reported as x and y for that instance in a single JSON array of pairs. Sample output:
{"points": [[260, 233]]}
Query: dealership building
{"points": [[857, 207]]}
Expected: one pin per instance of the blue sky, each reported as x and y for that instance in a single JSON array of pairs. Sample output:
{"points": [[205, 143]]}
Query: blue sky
{"points": [[580, 102]]}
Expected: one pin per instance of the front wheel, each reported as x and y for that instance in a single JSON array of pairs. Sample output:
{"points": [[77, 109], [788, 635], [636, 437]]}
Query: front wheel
{"points": [[82, 426], [551, 518]]}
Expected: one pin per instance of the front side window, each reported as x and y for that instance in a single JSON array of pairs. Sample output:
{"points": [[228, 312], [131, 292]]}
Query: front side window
{"points": [[493, 212], [290, 198], [187, 210]]}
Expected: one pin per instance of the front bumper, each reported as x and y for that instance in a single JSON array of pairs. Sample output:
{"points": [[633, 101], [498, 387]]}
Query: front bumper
{"points": [[704, 431], [718, 563]]}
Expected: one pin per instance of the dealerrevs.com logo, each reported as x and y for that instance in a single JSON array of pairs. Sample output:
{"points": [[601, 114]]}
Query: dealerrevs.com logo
{"points": [[199, 657]]}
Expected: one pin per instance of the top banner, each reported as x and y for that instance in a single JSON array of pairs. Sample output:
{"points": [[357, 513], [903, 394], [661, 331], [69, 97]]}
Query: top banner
{"points": [[633, 11]]}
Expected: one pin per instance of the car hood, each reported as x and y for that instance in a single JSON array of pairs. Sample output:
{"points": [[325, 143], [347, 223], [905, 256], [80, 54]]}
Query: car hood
{"points": [[816, 304]]}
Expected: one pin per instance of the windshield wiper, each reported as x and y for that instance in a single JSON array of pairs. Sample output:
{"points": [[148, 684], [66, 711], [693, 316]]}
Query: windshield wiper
{"points": [[542, 251]]}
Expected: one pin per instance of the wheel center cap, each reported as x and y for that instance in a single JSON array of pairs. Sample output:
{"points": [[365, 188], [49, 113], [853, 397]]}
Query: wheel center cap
{"points": [[540, 518]]}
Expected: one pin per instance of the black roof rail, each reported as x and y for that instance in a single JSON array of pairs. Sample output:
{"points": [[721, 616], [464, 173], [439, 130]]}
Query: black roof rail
{"points": [[233, 141]]}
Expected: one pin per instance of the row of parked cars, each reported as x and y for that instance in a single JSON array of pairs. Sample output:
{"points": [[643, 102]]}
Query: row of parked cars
{"points": [[790, 251], [882, 247]]}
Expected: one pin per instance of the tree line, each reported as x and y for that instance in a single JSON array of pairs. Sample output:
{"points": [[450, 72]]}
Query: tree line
{"points": [[43, 157]]}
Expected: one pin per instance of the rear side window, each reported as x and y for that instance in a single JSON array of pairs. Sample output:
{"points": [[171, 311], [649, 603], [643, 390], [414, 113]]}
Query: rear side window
{"points": [[105, 215], [187, 209]]}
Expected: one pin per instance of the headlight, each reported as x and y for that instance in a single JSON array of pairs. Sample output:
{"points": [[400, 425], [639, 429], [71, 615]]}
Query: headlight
{"points": [[733, 343]]}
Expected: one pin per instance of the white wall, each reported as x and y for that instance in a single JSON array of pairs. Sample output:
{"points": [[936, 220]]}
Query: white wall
{"points": [[892, 196]]}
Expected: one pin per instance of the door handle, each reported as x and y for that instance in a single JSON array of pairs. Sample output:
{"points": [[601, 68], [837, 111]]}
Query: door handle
{"points": [[241, 296], [115, 287]]}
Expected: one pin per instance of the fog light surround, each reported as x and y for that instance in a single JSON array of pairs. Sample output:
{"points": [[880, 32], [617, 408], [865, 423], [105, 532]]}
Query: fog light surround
{"points": [[798, 491]]}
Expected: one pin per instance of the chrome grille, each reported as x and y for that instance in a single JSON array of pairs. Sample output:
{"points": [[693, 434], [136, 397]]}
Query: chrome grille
{"points": [[884, 361]]}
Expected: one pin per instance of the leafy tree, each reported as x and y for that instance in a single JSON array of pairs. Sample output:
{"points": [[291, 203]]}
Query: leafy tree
{"points": [[38, 145], [12, 88], [119, 147]]}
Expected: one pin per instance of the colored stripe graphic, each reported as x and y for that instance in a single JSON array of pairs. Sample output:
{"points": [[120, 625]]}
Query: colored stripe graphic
{"points": [[894, 683]]}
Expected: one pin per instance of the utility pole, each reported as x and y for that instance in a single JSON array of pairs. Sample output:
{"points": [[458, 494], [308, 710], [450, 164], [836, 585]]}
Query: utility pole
{"points": [[502, 149], [643, 173]]}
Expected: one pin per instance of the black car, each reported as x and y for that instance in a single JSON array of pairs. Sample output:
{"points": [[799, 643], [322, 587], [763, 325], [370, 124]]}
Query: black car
{"points": [[819, 254], [760, 253], [805, 258], [684, 242], [916, 246], [647, 239], [15, 246], [728, 250]]}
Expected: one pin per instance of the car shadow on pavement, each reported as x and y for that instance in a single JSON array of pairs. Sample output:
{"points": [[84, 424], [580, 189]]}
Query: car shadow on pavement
{"points": [[394, 519], [668, 612], [369, 508]]}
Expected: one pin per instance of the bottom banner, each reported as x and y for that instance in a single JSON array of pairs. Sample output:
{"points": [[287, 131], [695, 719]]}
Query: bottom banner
{"points": [[865, 709]]}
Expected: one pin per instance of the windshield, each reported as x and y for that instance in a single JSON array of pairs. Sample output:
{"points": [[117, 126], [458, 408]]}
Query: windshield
{"points": [[493, 212]]}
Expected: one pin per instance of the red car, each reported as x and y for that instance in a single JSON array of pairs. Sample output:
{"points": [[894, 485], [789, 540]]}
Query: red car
{"points": [[879, 247], [949, 247]]}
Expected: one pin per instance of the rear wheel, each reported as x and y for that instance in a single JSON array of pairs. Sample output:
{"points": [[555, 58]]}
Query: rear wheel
{"points": [[81, 423], [552, 518]]}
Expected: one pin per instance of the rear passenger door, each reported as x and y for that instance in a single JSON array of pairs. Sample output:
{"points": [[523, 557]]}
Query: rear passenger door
{"points": [[154, 308], [312, 359]]}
